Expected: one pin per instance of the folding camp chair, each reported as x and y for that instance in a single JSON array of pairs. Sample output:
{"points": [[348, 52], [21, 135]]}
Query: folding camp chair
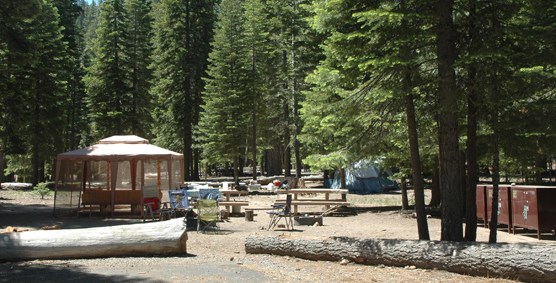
{"points": [[282, 211], [152, 205], [206, 193], [207, 214], [179, 204]]}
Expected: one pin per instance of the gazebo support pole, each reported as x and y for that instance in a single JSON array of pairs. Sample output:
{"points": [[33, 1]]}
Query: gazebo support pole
{"points": [[170, 172], [133, 170], [158, 181], [56, 183], [83, 184], [142, 187], [113, 176]]}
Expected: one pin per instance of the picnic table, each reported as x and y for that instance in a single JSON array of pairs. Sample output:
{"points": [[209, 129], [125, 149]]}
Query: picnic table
{"points": [[323, 198], [232, 198]]}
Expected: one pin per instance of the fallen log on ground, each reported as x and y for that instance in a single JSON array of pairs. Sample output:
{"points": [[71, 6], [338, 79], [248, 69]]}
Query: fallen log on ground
{"points": [[142, 239], [527, 262]]}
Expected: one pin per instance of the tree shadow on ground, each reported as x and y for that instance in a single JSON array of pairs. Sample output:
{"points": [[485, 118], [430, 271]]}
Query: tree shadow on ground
{"points": [[31, 272], [38, 216]]}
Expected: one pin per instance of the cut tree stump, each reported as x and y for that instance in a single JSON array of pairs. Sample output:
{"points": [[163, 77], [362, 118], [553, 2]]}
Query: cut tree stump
{"points": [[526, 262], [142, 239]]}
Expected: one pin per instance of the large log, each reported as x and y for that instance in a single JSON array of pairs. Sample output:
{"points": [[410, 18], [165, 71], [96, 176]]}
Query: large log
{"points": [[153, 238], [527, 262]]}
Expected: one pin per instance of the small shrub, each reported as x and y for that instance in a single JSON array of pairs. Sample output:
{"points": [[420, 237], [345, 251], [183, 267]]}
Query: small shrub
{"points": [[42, 190]]}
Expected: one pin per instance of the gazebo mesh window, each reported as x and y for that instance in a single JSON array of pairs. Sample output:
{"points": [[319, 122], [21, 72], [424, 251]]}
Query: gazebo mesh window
{"points": [[97, 175], [123, 180], [176, 173], [68, 191], [138, 174], [155, 186]]}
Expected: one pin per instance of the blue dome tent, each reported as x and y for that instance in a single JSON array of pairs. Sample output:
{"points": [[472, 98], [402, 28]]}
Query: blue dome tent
{"points": [[363, 178]]}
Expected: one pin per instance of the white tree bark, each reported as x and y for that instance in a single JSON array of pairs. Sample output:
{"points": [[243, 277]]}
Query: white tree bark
{"points": [[526, 262], [153, 238]]}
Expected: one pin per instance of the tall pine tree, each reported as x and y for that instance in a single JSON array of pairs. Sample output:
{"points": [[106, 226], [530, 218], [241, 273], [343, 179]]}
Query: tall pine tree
{"points": [[262, 78], [182, 32], [371, 72], [108, 90], [75, 120], [223, 127], [138, 53]]}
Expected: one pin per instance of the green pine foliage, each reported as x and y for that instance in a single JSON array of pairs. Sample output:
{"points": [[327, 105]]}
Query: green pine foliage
{"points": [[107, 80], [323, 81], [223, 125], [50, 76], [15, 59], [33, 59], [182, 33], [139, 33], [75, 125], [169, 58], [261, 84], [353, 108], [118, 79]]}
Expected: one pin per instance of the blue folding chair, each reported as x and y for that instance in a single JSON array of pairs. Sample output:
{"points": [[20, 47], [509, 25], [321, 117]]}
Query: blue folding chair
{"points": [[179, 203], [206, 193]]}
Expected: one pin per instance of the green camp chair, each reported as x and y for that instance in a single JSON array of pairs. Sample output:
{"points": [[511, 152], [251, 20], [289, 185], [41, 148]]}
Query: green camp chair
{"points": [[207, 214]]}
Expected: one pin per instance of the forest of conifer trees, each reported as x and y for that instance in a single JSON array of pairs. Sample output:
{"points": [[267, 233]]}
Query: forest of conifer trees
{"points": [[453, 89]]}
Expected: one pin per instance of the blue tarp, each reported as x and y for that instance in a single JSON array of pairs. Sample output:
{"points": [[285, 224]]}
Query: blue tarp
{"points": [[363, 180], [364, 186]]}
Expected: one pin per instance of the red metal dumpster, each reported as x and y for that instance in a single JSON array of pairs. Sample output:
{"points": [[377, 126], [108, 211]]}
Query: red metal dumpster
{"points": [[534, 207], [481, 204], [504, 205]]}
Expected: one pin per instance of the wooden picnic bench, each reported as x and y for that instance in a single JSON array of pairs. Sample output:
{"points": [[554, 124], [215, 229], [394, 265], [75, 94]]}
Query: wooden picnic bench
{"points": [[323, 200], [232, 198], [103, 198]]}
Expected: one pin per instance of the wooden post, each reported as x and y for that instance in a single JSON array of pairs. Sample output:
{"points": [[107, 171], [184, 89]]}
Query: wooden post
{"points": [[249, 215]]}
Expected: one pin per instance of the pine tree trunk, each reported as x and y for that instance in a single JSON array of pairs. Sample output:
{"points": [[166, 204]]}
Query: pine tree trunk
{"points": [[471, 156], [418, 186], [495, 190], [188, 97], [342, 178], [295, 97], [236, 168], [471, 144], [405, 201], [436, 193], [254, 145], [530, 263], [273, 163], [2, 156], [452, 201], [196, 172], [540, 167]]}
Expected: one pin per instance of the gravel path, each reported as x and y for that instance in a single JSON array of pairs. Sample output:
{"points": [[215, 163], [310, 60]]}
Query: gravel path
{"points": [[221, 257]]}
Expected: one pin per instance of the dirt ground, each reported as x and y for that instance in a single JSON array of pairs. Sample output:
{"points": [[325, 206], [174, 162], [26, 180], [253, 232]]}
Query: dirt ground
{"points": [[221, 257]]}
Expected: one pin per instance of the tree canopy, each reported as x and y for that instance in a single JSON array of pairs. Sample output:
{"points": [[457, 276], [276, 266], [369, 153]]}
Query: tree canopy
{"points": [[450, 89]]}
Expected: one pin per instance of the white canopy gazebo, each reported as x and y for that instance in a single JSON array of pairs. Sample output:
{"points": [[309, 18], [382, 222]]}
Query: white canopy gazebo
{"points": [[119, 170]]}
